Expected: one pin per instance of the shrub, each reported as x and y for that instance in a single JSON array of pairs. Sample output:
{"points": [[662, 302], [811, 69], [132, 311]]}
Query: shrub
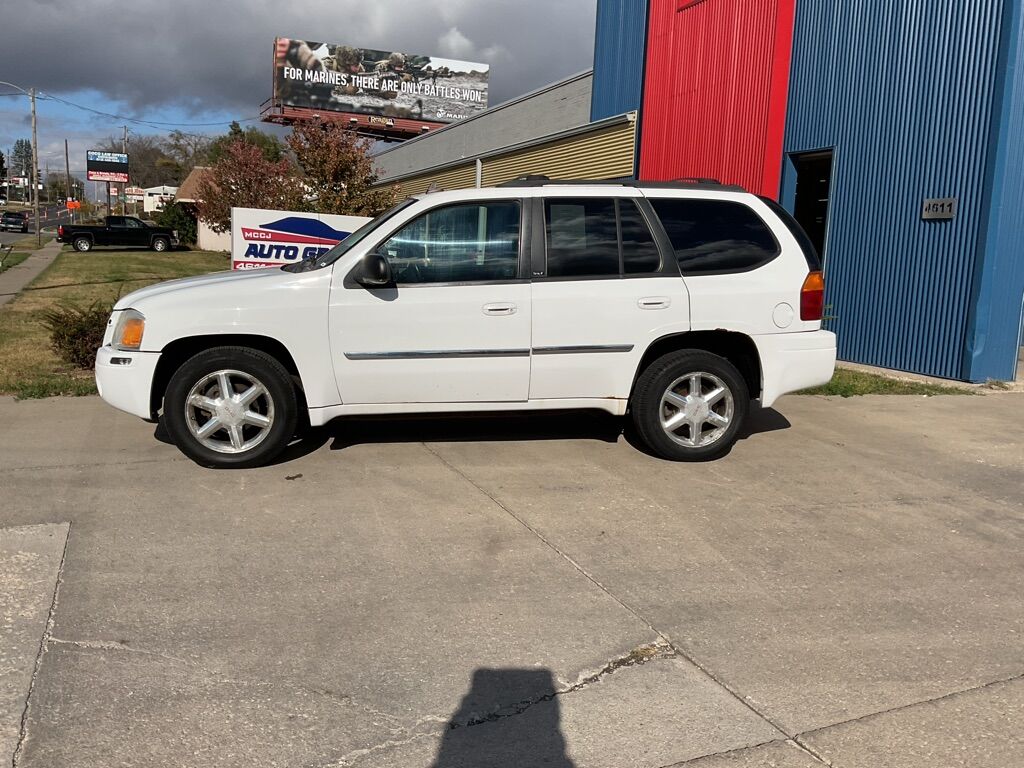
{"points": [[179, 218], [76, 333]]}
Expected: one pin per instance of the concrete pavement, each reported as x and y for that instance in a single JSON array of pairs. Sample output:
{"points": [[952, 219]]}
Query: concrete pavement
{"points": [[846, 586], [13, 280]]}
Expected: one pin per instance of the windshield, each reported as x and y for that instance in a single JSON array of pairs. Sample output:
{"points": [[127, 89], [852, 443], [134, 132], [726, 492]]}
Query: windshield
{"points": [[348, 243]]}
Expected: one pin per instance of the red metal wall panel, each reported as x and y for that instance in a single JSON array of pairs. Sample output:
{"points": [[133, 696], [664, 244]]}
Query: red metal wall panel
{"points": [[715, 91]]}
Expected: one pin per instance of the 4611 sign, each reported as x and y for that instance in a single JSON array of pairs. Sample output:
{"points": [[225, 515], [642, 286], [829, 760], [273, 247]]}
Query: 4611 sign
{"points": [[939, 208]]}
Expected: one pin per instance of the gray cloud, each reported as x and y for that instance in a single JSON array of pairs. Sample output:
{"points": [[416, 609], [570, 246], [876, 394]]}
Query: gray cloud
{"points": [[217, 54]]}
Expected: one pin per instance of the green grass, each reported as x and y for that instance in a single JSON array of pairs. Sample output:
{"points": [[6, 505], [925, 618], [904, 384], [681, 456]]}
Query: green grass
{"points": [[29, 368], [847, 383], [13, 260]]}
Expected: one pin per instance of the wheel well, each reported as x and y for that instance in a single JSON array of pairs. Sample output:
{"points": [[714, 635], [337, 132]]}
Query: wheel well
{"points": [[178, 351], [739, 349]]}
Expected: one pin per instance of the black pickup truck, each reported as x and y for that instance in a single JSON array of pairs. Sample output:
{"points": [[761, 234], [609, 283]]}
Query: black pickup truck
{"points": [[125, 231]]}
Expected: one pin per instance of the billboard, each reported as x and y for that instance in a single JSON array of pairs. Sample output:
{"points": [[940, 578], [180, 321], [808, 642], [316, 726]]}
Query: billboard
{"points": [[390, 84], [106, 166], [261, 238]]}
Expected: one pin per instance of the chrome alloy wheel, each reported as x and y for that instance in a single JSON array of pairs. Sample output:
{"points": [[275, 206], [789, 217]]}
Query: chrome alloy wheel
{"points": [[229, 411], [696, 409]]}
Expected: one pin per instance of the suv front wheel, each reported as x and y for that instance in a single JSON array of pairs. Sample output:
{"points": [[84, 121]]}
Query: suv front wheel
{"points": [[690, 405], [231, 407]]}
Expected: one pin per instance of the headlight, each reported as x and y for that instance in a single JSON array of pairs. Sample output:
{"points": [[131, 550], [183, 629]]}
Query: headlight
{"points": [[128, 331]]}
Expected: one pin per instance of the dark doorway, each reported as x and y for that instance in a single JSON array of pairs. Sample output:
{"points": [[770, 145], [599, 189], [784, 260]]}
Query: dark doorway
{"points": [[813, 183]]}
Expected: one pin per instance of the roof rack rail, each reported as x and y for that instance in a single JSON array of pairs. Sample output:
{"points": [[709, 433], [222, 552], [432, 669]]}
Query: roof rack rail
{"points": [[539, 180]]}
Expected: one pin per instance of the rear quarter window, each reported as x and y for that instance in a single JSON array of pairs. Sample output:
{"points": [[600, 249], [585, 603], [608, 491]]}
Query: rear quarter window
{"points": [[714, 237]]}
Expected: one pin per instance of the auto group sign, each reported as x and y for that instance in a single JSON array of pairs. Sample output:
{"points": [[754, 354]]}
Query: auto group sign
{"points": [[261, 238]]}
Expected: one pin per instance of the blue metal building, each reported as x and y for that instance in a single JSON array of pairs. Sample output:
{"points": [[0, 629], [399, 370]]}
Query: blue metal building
{"points": [[619, 47], [900, 111]]}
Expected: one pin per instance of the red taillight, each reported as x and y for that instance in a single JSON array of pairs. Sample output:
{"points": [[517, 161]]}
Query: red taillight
{"points": [[812, 297], [60, 230]]}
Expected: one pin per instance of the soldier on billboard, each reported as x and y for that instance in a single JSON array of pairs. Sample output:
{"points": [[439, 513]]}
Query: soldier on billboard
{"points": [[298, 54]]}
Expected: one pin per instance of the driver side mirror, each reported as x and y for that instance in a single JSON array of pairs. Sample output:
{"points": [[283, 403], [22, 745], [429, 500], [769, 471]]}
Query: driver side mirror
{"points": [[375, 272]]}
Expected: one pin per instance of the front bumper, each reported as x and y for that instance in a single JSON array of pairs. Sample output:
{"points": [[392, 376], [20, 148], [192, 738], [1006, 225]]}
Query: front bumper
{"points": [[794, 361], [125, 379]]}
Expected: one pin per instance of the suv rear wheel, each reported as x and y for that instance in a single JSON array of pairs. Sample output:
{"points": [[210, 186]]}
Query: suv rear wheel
{"points": [[690, 405], [231, 407]]}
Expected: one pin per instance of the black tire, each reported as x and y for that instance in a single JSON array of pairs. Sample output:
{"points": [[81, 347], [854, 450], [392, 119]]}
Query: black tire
{"points": [[81, 244], [160, 244], [249, 362], [653, 384]]}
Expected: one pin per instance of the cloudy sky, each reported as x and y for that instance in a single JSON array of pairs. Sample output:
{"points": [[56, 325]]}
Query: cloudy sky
{"points": [[187, 62]]}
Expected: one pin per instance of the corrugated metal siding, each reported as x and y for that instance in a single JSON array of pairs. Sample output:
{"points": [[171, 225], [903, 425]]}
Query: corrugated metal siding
{"points": [[903, 91], [715, 91], [995, 324], [557, 107], [604, 154], [462, 177], [618, 57]]}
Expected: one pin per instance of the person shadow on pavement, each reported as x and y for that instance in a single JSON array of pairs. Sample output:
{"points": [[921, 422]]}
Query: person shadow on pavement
{"points": [[508, 719]]}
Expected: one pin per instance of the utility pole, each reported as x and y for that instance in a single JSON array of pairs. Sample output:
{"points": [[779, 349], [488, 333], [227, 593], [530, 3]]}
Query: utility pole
{"points": [[124, 148], [67, 173], [35, 165]]}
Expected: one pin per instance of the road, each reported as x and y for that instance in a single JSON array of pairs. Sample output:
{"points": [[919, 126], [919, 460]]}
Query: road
{"points": [[846, 586], [54, 215]]}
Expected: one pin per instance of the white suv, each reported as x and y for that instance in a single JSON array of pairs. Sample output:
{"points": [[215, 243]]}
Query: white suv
{"points": [[677, 303]]}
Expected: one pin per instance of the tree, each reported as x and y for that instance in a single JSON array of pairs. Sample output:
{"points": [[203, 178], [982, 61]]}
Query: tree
{"points": [[3, 166], [178, 217], [243, 177], [21, 158], [338, 170], [267, 144], [186, 150], [150, 164]]}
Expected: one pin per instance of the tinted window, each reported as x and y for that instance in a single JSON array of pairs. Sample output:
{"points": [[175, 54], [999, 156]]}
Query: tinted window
{"points": [[133, 223], [115, 221], [582, 237], [639, 251], [713, 236], [811, 255], [458, 243]]}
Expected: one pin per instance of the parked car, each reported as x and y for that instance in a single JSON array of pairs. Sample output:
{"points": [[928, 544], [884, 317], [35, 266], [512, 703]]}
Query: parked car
{"points": [[14, 221], [677, 304], [125, 231]]}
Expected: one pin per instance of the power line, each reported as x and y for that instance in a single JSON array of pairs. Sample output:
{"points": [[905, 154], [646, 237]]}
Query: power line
{"points": [[149, 123]]}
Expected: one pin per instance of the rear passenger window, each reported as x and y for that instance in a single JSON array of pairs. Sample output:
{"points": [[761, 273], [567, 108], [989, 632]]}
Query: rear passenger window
{"points": [[585, 238], [582, 241], [715, 236]]}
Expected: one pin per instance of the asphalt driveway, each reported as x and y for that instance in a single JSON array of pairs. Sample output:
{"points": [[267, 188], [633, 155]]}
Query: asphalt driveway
{"points": [[845, 588]]}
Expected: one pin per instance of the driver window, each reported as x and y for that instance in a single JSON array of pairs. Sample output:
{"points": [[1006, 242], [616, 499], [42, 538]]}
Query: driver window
{"points": [[133, 223], [457, 243]]}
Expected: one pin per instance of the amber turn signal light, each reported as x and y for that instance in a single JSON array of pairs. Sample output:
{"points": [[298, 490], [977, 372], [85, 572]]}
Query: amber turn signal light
{"points": [[131, 333], [812, 297]]}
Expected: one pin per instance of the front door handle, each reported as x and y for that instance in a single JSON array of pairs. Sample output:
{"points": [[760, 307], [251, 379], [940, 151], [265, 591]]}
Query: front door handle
{"points": [[501, 308], [654, 302]]}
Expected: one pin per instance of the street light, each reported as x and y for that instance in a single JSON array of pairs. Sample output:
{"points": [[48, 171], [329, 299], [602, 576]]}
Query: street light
{"points": [[31, 93]]}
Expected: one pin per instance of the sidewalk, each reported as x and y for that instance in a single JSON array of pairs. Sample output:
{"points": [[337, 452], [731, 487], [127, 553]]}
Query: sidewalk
{"points": [[16, 278]]}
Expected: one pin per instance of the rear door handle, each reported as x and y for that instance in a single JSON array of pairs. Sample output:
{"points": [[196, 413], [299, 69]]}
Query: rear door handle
{"points": [[654, 302], [501, 308]]}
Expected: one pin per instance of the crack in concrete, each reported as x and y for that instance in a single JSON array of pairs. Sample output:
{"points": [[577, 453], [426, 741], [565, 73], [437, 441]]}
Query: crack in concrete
{"points": [[901, 707], [639, 656], [89, 465], [679, 650], [43, 645], [107, 645]]}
